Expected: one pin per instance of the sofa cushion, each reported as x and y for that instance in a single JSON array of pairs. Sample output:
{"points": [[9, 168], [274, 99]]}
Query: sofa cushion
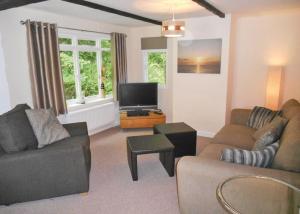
{"points": [[214, 150], [270, 133], [288, 155], [260, 116], [46, 126], [235, 135], [16, 133], [262, 158]]}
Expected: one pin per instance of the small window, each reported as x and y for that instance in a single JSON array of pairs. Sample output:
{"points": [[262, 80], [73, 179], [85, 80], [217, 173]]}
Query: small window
{"points": [[87, 42], [65, 41], [155, 63]]}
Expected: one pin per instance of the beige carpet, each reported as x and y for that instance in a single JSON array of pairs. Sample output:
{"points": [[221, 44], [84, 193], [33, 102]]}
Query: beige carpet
{"points": [[112, 190]]}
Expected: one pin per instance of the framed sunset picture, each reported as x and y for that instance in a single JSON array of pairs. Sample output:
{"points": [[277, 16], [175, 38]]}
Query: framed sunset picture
{"points": [[200, 56]]}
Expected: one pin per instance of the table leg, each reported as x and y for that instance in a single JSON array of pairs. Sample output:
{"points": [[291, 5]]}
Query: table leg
{"points": [[168, 160], [132, 162]]}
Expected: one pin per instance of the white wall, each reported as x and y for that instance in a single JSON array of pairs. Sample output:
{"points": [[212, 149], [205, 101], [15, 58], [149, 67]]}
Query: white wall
{"points": [[4, 93], [200, 100], [16, 61], [262, 40]]}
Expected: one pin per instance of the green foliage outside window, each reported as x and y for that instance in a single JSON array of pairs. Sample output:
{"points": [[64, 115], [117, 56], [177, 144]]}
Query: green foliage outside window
{"points": [[105, 44], [89, 73], [65, 41], [157, 67], [67, 67], [108, 72], [87, 42]]}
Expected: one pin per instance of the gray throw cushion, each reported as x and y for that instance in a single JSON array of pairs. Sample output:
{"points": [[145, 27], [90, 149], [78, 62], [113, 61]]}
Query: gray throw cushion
{"points": [[46, 127], [260, 116], [269, 133], [16, 133], [262, 158]]}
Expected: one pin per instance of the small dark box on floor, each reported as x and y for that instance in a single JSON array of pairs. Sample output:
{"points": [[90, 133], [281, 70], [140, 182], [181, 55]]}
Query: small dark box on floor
{"points": [[182, 136]]}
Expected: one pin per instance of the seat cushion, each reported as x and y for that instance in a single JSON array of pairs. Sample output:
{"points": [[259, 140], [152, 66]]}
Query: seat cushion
{"points": [[288, 155], [214, 150], [16, 133], [235, 135]]}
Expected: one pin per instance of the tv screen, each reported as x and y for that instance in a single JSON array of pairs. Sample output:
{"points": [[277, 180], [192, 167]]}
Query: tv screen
{"points": [[138, 95]]}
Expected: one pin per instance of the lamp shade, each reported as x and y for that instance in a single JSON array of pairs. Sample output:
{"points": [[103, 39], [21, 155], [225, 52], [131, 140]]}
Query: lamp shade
{"points": [[173, 28], [274, 86]]}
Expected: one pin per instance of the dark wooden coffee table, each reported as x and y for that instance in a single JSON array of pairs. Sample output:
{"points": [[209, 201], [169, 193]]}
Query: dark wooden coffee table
{"points": [[181, 135], [146, 144]]}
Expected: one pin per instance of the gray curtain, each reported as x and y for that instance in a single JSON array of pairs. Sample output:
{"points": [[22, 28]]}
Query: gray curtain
{"points": [[44, 65], [119, 61]]}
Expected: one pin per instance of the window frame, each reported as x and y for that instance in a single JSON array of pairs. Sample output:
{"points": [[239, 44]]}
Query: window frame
{"points": [[145, 65], [75, 48]]}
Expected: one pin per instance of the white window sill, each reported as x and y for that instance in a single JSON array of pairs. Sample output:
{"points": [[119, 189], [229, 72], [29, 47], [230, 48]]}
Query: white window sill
{"points": [[89, 103]]}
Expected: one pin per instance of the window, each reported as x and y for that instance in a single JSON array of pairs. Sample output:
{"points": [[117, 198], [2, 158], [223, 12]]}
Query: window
{"points": [[155, 64], [85, 63]]}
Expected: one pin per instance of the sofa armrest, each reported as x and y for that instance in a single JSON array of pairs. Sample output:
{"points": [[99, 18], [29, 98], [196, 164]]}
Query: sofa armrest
{"points": [[239, 116], [76, 129], [60, 168], [198, 178]]}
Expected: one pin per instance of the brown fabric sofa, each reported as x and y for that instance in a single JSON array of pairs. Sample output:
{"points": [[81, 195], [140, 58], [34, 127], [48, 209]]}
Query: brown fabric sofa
{"points": [[198, 177]]}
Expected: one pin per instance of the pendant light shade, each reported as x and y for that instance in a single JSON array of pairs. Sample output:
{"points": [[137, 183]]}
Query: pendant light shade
{"points": [[173, 28]]}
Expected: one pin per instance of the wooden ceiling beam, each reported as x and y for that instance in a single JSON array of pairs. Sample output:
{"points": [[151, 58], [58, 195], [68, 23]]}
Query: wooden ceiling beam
{"points": [[210, 7], [114, 11], [7, 4]]}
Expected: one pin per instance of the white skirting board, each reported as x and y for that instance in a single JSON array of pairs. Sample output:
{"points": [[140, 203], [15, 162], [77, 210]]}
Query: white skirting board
{"points": [[206, 134]]}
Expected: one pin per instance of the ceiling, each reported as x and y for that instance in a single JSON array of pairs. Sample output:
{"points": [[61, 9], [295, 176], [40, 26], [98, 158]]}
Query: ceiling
{"points": [[160, 9]]}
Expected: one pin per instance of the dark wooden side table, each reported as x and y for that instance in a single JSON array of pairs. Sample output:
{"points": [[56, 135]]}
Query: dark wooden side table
{"points": [[138, 145]]}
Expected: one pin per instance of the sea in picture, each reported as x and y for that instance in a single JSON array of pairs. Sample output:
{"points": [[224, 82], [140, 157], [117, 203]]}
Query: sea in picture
{"points": [[199, 56]]}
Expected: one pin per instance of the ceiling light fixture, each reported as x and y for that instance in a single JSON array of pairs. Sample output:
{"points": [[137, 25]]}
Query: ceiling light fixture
{"points": [[172, 27]]}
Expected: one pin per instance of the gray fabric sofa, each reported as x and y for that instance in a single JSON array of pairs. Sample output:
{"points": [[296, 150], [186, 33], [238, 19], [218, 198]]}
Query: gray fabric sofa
{"points": [[198, 177], [59, 169]]}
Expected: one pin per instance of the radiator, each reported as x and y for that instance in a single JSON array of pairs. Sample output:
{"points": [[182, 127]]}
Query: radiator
{"points": [[98, 117]]}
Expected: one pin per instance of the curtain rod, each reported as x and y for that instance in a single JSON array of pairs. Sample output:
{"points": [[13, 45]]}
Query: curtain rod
{"points": [[67, 28]]}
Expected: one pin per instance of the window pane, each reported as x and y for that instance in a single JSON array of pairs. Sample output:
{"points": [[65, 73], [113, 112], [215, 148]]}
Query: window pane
{"points": [[89, 73], [105, 44], [65, 41], [67, 67], [87, 42], [107, 71], [157, 67]]}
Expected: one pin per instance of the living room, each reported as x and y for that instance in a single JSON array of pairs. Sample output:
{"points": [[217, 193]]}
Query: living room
{"points": [[253, 41]]}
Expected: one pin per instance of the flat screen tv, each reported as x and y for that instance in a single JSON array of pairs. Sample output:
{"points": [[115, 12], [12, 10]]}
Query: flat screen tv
{"points": [[138, 95]]}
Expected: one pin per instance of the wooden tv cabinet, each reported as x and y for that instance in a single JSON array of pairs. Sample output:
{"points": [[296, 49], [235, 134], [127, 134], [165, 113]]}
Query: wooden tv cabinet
{"points": [[141, 121]]}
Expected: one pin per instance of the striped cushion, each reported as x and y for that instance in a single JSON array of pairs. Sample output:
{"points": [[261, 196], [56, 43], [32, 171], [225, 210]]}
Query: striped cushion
{"points": [[262, 158], [260, 116]]}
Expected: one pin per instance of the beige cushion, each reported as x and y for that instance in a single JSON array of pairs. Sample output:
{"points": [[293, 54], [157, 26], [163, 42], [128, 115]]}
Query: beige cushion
{"points": [[46, 126], [288, 155], [235, 135], [214, 150], [286, 107]]}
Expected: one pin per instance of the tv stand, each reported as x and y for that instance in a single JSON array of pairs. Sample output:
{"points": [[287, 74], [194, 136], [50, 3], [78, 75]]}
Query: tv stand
{"points": [[148, 121]]}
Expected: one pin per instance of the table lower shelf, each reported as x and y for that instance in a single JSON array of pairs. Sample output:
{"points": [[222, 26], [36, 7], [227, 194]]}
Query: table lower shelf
{"points": [[141, 121]]}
